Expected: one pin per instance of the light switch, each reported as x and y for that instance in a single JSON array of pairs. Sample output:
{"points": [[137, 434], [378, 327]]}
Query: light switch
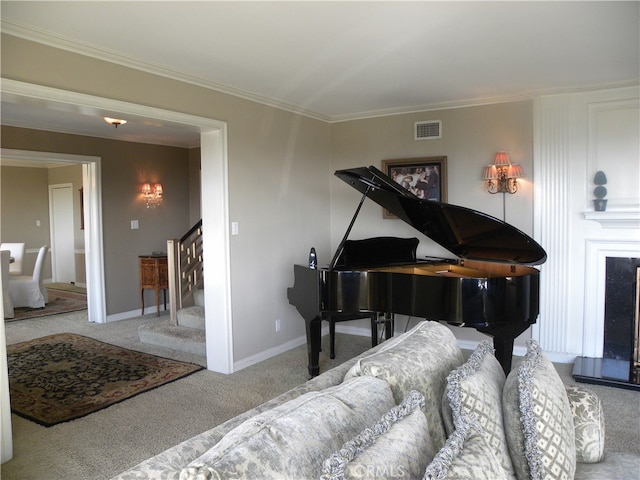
{"points": [[38, 223], [134, 225], [234, 228]]}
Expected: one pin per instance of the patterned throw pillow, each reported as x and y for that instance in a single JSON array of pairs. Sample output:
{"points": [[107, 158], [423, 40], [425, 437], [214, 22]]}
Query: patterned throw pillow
{"points": [[588, 420], [476, 387], [466, 456], [538, 420], [292, 440], [398, 446], [418, 360]]}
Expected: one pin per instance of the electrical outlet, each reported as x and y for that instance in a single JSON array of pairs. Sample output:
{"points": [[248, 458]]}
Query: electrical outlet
{"points": [[277, 325]]}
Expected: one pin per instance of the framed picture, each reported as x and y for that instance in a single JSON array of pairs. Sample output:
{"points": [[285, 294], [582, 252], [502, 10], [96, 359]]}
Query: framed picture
{"points": [[425, 177]]}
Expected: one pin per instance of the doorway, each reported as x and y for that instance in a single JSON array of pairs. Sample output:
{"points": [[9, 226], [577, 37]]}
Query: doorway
{"points": [[94, 250], [214, 168]]}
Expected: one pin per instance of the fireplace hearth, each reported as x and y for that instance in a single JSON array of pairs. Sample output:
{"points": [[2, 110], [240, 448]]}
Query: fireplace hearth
{"points": [[620, 365]]}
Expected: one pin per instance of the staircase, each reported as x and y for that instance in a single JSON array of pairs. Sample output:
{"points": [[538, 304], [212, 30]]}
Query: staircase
{"points": [[185, 329]]}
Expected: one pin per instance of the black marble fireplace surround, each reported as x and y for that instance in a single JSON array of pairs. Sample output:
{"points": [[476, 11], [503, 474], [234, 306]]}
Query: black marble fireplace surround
{"points": [[621, 304]]}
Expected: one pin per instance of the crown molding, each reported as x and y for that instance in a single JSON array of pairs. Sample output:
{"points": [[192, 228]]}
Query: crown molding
{"points": [[99, 53], [83, 48]]}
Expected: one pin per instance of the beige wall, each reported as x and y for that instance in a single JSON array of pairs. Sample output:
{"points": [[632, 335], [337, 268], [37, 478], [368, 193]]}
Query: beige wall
{"points": [[24, 201], [125, 167], [194, 186], [470, 139], [281, 189], [279, 173]]}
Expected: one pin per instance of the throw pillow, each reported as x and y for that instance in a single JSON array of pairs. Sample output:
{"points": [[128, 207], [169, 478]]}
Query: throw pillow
{"points": [[466, 456], [398, 446], [476, 387], [538, 420], [418, 360], [588, 420], [292, 439]]}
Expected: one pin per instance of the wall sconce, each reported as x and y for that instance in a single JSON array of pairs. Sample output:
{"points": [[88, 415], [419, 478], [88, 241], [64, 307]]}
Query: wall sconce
{"points": [[152, 195], [502, 176]]}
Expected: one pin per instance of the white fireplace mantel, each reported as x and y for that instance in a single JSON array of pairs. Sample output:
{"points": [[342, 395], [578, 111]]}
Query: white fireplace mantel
{"points": [[616, 218]]}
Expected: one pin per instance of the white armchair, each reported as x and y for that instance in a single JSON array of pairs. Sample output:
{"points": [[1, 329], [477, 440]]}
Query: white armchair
{"points": [[17, 252], [28, 290], [5, 256]]}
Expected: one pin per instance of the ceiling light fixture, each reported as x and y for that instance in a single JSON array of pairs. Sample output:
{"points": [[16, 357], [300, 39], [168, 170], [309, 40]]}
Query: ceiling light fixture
{"points": [[114, 121]]}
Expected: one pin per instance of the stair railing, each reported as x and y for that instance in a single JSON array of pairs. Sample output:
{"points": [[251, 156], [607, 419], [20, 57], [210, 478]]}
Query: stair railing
{"points": [[184, 259]]}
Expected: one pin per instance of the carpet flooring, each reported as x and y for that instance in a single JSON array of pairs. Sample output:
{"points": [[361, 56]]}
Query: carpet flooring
{"points": [[65, 376], [60, 301]]}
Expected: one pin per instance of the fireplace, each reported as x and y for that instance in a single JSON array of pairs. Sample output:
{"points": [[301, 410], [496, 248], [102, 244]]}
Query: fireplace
{"points": [[619, 365]]}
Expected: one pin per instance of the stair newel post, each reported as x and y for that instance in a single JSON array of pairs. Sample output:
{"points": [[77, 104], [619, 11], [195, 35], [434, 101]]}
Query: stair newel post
{"points": [[173, 270]]}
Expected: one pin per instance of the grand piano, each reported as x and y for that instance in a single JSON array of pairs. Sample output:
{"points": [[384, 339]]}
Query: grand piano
{"points": [[491, 286]]}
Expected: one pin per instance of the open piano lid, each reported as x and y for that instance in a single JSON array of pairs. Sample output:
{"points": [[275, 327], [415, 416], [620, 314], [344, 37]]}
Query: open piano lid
{"points": [[467, 233]]}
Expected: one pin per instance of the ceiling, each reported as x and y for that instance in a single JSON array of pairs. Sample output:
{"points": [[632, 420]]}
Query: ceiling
{"points": [[335, 60]]}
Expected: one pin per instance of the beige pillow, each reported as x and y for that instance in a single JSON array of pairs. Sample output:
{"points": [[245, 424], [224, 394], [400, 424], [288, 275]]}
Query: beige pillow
{"points": [[293, 439], [418, 360], [398, 446], [476, 388], [538, 420], [588, 421]]}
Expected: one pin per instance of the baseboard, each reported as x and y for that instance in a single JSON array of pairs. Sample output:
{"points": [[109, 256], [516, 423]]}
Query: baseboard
{"points": [[46, 281], [151, 309], [267, 354], [272, 352]]}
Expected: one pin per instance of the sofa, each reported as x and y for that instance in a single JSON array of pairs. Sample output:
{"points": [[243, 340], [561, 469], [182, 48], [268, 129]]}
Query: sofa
{"points": [[414, 408]]}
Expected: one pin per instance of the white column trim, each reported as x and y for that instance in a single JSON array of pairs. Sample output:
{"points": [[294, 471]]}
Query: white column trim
{"points": [[552, 148]]}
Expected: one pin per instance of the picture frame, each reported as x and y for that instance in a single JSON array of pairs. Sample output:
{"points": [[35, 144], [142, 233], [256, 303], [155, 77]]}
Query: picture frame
{"points": [[425, 177]]}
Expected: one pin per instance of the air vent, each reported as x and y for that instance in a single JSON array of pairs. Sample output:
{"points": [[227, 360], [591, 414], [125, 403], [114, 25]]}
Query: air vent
{"points": [[428, 130]]}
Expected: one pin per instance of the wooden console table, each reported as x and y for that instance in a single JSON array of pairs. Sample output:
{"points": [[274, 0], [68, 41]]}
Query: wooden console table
{"points": [[154, 274]]}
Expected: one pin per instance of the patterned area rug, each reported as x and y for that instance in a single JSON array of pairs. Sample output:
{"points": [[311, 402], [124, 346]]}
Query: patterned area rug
{"points": [[60, 301], [65, 376]]}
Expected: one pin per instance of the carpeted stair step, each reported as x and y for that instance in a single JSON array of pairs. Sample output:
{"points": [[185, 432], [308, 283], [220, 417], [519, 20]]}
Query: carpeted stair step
{"points": [[192, 317], [183, 339]]}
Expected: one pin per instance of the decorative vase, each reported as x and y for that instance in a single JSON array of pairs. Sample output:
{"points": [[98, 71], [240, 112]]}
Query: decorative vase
{"points": [[313, 259], [599, 203]]}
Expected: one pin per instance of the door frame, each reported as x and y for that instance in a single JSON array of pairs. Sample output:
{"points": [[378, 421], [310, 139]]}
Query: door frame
{"points": [[94, 248], [215, 218]]}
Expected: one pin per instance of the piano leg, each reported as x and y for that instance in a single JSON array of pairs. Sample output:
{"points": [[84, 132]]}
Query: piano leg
{"points": [[504, 352], [314, 341], [503, 337], [332, 338]]}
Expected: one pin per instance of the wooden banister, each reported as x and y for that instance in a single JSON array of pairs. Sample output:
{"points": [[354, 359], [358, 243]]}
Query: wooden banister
{"points": [[184, 257]]}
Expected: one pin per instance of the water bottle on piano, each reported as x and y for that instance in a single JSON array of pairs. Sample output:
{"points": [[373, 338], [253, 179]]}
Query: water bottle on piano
{"points": [[313, 260]]}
